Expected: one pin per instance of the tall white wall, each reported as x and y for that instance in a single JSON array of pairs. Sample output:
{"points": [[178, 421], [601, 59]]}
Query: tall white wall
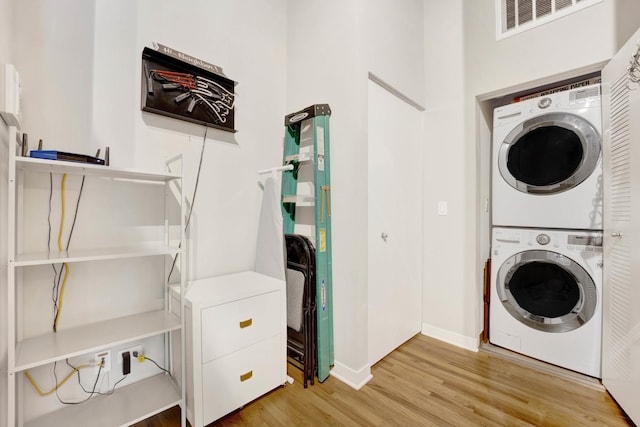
{"points": [[392, 39], [446, 314], [80, 63], [578, 40], [5, 31], [332, 46], [5, 57]]}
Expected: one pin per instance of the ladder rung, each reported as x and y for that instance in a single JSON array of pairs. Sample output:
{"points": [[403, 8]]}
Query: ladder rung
{"points": [[299, 199], [303, 157]]}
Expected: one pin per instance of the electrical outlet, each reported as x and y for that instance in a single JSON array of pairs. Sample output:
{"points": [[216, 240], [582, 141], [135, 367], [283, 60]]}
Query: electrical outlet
{"points": [[135, 349], [106, 355]]}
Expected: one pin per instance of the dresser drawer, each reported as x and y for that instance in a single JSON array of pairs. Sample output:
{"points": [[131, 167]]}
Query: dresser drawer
{"points": [[238, 324], [238, 378]]}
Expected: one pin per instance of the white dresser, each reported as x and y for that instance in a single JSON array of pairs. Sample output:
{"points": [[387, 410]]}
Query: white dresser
{"points": [[236, 342]]}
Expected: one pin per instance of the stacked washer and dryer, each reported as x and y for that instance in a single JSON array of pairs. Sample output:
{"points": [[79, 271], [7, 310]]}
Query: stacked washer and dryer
{"points": [[546, 274]]}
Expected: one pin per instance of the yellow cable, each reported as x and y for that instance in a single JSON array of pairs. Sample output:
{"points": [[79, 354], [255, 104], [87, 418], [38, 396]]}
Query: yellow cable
{"points": [[47, 393], [66, 267]]}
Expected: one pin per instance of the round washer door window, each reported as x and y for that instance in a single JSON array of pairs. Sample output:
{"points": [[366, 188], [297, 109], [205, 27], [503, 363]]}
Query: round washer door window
{"points": [[547, 291], [549, 153]]}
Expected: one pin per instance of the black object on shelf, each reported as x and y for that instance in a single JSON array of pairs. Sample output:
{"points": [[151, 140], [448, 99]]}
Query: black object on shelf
{"points": [[61, 155], [182, 90]]}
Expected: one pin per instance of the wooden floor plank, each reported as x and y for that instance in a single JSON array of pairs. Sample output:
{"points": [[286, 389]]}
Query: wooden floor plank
{"points": [[426, 382]]}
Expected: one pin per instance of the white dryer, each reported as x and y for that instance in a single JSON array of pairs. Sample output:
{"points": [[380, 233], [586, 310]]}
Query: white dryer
{"points": [[546, 166], [546, 296]]}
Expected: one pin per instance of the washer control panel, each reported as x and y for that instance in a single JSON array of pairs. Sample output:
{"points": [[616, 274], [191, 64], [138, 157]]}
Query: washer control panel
{"points": [[554, 240], [582, 242]]}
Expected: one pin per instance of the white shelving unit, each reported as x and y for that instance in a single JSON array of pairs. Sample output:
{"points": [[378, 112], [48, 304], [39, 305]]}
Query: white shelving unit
{"points": [[128, 404]]}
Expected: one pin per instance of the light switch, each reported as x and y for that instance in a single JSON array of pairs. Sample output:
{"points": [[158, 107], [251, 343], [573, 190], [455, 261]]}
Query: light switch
{"points": [[442, 208]]}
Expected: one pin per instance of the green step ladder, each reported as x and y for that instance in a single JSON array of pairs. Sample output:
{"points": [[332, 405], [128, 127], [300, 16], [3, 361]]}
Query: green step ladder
{"points": [[307, 144]]}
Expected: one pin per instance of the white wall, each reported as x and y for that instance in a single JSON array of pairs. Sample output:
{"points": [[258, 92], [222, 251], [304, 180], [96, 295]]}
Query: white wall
{"points": [[80, 64], [392, 38], [445, 314], [5, 57], [332, 46], [5, 31], [575, 41]]}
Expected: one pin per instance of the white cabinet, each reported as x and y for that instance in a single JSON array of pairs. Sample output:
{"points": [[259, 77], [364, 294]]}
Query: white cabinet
{"points": [[119, 321], [236, 342]]}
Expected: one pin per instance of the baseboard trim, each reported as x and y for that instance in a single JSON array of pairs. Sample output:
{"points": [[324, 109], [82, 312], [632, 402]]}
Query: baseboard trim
{"points": [[355, 379], [453, 338]]}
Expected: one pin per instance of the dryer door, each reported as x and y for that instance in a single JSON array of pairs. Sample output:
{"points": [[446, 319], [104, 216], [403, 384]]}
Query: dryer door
{"points": [[549, 153], [547, 291]]}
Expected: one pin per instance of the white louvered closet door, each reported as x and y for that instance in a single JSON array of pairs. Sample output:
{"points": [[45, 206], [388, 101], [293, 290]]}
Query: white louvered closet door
{"points": [[621, 155]]}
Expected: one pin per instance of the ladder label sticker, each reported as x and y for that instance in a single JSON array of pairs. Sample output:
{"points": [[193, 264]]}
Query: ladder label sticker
{"points": [[323, 295], [320, 140], [323, 239], [320, 147], [298, 117]]}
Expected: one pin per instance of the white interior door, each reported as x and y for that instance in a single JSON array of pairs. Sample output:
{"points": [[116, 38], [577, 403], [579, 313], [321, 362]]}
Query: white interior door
{"points": [[394, 222], [621, 173]]}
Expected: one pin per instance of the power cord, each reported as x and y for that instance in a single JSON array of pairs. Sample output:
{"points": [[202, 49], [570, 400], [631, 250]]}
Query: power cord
{"points": [[142, 358], [96, 392], [193, 200], [91, 393]]}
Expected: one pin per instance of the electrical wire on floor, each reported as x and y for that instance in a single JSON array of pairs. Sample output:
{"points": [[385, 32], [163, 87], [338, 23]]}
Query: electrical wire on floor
{"points": [[193, 200], [60, 281]]}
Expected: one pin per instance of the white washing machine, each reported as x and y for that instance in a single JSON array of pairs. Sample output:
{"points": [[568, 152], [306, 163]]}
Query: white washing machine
{"points": [[546, 296], [546, 166]]}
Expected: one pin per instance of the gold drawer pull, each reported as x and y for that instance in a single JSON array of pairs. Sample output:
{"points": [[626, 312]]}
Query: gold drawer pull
{"points": [[246, 376], [246, 323]]}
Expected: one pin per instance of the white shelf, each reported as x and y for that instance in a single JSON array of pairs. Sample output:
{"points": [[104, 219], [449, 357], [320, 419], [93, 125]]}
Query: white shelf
{"points": [[126, 406], [94, 254], [51, 347], [77, 168]]}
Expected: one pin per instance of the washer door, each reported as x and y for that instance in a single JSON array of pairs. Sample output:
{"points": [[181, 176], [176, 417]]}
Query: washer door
{"points": [[547, 291], [549, 154]]}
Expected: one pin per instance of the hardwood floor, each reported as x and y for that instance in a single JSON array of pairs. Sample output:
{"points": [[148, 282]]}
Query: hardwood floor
{"points": [[430, 383]]}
